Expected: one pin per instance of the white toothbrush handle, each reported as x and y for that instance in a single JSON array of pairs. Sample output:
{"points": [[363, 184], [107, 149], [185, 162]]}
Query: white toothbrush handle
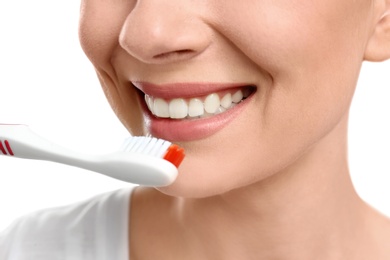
{"points": [[130, 167], [136, 168], [26, 144]]}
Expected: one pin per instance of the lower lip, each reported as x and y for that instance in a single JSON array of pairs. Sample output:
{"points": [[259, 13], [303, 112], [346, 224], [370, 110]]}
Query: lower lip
{"points": [[192, 129]]}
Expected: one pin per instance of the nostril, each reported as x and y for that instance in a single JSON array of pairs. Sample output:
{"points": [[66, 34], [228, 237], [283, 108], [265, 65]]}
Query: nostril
{"points": [[175, 54]]}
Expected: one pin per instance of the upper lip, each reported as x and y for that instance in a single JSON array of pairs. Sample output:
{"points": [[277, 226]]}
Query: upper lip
{"points": [[184, 90]]}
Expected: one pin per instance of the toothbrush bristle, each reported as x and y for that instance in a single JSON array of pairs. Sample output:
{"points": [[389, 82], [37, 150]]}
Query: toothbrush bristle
{"points": [[175, 155], [146, 145], [155, 147]]}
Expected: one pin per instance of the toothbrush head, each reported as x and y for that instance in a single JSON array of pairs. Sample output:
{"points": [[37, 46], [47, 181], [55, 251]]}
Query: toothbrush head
{"points": [[155, 147]]}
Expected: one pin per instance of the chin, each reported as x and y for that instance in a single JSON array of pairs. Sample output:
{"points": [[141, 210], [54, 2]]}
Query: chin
{"points": [[200, 178]]}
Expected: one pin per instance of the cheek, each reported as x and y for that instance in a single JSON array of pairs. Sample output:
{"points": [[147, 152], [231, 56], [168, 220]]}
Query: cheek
{"points": [[281, 35], [99, 27], [312, 50], [100, 24]]}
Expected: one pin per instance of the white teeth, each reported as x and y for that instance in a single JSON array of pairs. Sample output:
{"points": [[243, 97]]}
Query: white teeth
{"points": [[226, 101], [212, 103], [180, 108], [160, 108], [195, 107], [220, 110], [149, 102], [237, 97]]}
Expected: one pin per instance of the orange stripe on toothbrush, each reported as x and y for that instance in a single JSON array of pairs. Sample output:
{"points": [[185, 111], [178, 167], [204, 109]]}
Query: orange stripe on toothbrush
{"points": [[175, 154]]}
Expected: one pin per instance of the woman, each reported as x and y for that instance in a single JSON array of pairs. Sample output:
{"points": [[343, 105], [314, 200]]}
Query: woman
{"points": [[258, 94]]}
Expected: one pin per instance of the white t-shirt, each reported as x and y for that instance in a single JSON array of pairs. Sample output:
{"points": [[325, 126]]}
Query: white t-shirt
{"points": [[94, 229]]}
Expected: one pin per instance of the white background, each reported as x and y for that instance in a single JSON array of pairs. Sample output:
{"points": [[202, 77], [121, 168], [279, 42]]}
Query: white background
{"points": [[48, 83]]}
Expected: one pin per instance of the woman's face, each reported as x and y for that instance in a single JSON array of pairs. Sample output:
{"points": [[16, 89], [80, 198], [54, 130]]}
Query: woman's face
{"points": [[297, 61]]}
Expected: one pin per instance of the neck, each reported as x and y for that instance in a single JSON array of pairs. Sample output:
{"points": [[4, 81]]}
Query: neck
{"points": [[300, 213]]}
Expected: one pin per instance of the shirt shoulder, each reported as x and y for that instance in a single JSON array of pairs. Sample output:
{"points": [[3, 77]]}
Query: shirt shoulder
{"points": [[96, 229]]}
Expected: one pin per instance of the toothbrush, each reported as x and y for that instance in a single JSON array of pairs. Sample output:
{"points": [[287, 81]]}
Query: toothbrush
{"points": [[142, 160]]}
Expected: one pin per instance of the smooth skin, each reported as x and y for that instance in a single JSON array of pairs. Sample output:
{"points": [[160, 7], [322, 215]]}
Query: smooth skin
{"points": [[274, 183]]}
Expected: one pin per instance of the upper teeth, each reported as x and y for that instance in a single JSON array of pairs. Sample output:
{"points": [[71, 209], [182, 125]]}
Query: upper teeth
{"points": [[180, 108]]}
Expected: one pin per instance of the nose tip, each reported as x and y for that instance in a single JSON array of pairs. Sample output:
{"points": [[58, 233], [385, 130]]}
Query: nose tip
{"points": [[153, 34]]}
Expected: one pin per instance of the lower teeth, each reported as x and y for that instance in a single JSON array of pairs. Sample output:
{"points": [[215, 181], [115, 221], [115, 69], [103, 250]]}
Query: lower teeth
{"points": [[219, 111]]}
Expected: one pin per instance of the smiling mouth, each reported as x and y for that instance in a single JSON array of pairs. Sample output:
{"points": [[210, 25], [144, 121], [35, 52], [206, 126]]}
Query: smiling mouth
{"points": [[197, 107]]}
